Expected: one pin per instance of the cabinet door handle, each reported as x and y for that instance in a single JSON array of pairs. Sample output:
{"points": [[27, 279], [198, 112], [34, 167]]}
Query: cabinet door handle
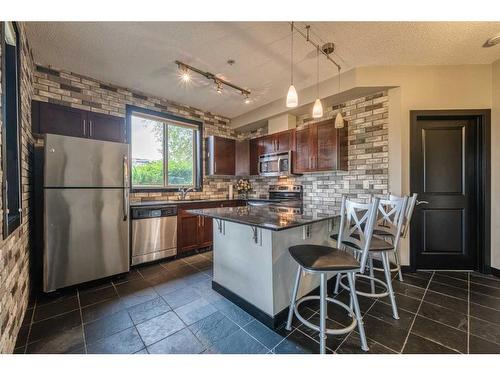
{"points": [[277, 145], [84, 127], [90, 128]]}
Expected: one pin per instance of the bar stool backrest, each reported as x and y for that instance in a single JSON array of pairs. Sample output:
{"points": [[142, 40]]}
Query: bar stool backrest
{"points": [[357, 221], [410, 205], [390, 216]]}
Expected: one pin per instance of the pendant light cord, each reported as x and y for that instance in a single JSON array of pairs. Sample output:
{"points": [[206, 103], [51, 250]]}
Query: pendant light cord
{"points": [[291, 59], [317, 72]]}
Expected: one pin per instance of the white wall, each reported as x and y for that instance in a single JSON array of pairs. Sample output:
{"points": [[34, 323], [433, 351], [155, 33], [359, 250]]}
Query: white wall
{"points": [[430, 88]]}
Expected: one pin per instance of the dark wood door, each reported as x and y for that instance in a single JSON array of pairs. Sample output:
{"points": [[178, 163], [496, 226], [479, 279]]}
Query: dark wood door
{"points": [[57, 119], [255, 152], [224, 156], [444, 173], [106, 128], [326, 152], [304, 150], [187, 232]]}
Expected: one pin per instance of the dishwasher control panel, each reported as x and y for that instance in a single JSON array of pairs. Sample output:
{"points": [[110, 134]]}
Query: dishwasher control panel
{"points": [[153, 212]]}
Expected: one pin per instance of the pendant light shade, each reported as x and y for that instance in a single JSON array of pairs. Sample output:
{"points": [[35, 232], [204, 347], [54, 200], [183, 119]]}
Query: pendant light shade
{"points": [[318, 107], [292, 100], [339, 121]]}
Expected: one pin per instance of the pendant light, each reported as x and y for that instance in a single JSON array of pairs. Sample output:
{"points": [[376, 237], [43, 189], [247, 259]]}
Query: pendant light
{"points": [[339, 120], [292, 100], [318, 107]]}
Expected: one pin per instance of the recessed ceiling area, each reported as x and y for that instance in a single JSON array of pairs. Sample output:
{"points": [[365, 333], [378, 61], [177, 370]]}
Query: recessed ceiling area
{"points": [[141, 55]]}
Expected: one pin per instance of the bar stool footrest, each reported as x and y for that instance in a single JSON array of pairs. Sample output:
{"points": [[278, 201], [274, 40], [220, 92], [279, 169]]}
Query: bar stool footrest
{"points": [[329, 331], [366, 294]]}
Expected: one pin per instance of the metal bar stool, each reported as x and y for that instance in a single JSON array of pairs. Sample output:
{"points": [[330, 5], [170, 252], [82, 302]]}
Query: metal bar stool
{"points": [[381, 230], [320, 260], [391, 213]]}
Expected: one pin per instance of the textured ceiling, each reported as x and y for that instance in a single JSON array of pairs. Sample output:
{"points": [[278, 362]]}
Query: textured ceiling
{"points": [[141, 55]]}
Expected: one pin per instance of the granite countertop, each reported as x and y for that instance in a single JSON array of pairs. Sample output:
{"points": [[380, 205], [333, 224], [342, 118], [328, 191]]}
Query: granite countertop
{"points": [[176, 202], [264, 217]]}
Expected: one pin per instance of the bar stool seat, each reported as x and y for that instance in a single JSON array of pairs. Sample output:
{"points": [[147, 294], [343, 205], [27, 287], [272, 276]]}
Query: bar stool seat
{"points": [[323, 258]]}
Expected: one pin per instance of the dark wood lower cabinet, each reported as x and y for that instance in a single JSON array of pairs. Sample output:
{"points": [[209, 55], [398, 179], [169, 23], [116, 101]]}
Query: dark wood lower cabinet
{"points": [[195, 232]]}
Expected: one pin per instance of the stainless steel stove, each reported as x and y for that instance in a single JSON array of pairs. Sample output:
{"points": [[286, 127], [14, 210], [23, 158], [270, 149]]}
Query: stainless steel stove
{"points": [[282, 198]]}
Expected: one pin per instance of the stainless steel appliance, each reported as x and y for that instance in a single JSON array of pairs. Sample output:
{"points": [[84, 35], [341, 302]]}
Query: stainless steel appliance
{"points": [[282, 198], [278, 164], [85, 210], [154, 233]]}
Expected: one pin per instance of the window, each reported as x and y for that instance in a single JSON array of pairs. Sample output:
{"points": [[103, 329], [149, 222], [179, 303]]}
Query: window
{"points": [[165, 151], [11, 115]]}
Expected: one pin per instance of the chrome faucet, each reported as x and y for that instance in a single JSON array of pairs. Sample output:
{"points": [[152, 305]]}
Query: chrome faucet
{"points": [[184, 191]]}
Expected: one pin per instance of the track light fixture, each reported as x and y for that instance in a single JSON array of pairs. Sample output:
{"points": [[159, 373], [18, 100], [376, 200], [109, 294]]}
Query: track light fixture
{"points": [[185, 75]]}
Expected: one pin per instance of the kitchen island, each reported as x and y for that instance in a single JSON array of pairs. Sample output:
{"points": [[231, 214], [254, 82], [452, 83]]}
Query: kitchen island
{"points": [[252, 265]]}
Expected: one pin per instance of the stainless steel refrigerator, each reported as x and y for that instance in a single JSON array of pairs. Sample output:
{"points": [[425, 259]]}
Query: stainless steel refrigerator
{"points": [[85, 210]]}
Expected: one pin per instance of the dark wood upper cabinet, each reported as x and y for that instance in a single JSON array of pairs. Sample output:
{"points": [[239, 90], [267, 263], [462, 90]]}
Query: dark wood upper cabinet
{"points": [[220, 156], [63, 120], [320, 147], [255, 152], [242, 158], [57, 119], [304, 150], [106, 128], [277, 142], [283, 141]]}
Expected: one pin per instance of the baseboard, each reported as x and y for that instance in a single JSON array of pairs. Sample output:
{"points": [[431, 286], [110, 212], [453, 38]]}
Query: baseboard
{"points": [[495, 271], [270, 321]]}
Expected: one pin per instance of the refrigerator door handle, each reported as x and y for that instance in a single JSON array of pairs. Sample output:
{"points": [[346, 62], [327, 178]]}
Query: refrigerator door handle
{"points": [[125, 188]]}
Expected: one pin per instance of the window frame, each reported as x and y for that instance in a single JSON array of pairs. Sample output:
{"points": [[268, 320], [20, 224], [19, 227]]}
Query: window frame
{"points": [[11, 224], [198, 154]]}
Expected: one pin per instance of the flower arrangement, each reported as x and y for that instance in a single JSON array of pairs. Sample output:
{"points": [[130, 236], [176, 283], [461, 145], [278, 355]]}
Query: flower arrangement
{"points": [[243, 186]]}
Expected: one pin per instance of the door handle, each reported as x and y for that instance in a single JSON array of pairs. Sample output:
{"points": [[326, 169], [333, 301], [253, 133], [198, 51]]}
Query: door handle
{"points": [[83, 128], [90, 128], [125, 188], [421, 202]]}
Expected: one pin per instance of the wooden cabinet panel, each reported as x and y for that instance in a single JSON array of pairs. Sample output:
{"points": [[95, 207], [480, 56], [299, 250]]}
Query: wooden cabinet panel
{"points": [[187, 232], [267, 144], [304, 150], [220, 156], [205, 235], [63, 120], [57, 119], [196, 232], [283, 141], [242, 158], [326, 155], [106, 128], [255, 152]]}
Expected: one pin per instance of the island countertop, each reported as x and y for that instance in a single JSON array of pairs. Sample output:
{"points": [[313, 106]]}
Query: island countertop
{"points": [[265, 217]]}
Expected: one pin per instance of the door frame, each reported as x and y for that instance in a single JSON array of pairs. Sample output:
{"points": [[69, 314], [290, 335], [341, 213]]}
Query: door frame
{"points": [[483, 200]]}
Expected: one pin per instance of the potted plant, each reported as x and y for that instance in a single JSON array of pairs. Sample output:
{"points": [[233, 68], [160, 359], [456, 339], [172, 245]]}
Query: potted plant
{"points": [[243, 187]]}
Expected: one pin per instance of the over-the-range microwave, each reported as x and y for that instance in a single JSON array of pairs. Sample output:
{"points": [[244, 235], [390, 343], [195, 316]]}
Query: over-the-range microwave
{"points": [[276, 165]]}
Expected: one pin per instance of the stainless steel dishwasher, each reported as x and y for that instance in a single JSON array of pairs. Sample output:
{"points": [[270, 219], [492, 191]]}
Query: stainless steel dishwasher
{"points": [[154, 233]]}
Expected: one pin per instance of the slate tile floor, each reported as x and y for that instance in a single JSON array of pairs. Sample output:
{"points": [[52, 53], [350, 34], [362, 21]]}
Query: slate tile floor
{"points": [[171, 308]]}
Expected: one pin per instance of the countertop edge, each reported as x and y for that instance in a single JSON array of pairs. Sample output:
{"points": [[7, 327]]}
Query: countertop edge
{"points": [[200, 212]]}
